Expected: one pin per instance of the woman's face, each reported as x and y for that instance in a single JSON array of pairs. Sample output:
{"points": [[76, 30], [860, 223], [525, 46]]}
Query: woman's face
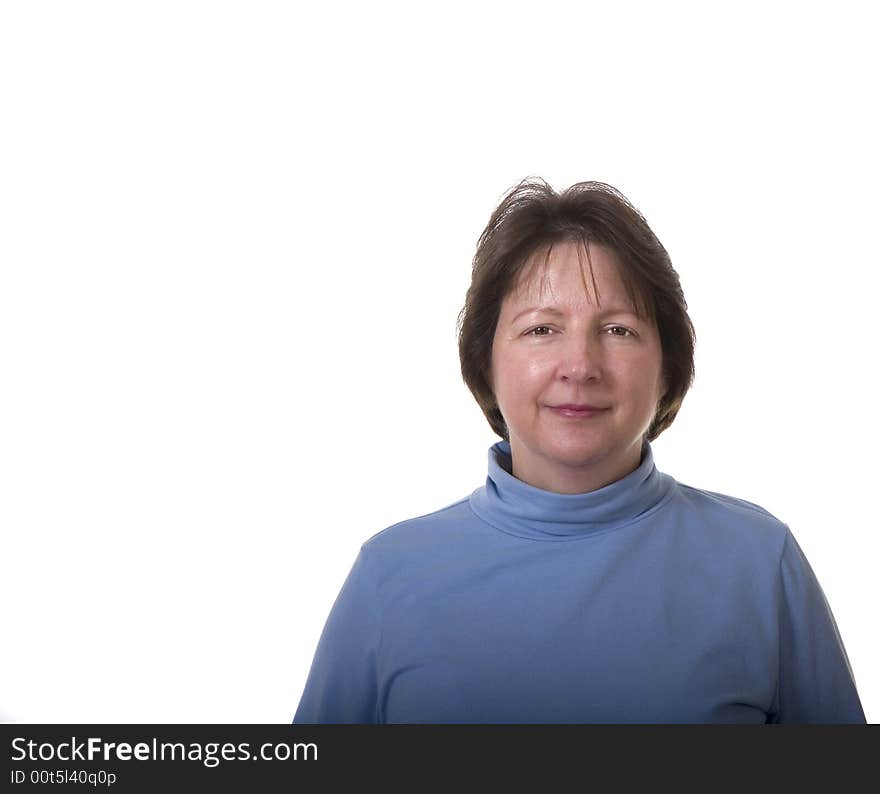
{"points": [[593, 350]]}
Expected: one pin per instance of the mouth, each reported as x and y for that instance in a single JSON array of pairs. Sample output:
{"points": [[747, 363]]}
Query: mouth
{"points": [[572, 412]]}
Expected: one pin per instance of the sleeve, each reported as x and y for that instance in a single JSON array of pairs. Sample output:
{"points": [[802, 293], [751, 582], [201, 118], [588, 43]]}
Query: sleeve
{"points": [[816, 683], [342, 684]]}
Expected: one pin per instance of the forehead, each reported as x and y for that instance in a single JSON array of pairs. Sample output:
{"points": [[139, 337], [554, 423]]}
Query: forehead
{"points": [[570, 272]]}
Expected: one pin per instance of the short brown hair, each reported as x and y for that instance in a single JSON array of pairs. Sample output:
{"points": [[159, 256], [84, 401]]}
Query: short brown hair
{"points": [[532, 216]]}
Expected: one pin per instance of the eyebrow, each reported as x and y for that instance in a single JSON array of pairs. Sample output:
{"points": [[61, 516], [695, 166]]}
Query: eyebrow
{"points": [[559, 313]]}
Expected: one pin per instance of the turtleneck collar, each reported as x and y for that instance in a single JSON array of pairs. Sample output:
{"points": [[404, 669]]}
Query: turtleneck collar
{"points": [[514, 506]]}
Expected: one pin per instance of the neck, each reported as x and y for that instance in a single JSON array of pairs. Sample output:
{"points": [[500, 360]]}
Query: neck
{"points": [[516, 507], [577, 477]]}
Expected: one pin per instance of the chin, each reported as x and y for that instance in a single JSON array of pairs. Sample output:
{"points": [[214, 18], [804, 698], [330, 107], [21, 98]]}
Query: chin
{"points": [[577, 454]]}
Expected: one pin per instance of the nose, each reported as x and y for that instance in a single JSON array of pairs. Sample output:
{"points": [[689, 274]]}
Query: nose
{"points": [[581, 359]]}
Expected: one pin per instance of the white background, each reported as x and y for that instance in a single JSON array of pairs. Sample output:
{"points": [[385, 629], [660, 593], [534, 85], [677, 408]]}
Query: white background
{"points": [[235, 240]]}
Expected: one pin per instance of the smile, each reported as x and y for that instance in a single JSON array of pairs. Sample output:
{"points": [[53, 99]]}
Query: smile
{"points": [[575, 414]]}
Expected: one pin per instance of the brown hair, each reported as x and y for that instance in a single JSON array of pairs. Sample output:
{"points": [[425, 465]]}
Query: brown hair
{"points": [[533, 216]]}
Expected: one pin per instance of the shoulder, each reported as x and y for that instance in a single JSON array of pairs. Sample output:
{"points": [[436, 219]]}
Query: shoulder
{"points": [[418, 549], [723, 517], [421, 531], [726, 503]]}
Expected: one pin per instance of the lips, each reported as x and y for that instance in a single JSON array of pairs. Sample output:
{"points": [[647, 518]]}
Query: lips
{"points": [[584, 413], [577, 407]]}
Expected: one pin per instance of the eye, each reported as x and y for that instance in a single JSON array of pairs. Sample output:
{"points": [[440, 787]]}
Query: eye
{"points": [[537, 328], [621, 328]]}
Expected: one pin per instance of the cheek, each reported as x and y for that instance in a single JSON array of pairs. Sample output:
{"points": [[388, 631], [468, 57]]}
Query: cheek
{"points": [[641, 378], [522, 390], [518, 374]]}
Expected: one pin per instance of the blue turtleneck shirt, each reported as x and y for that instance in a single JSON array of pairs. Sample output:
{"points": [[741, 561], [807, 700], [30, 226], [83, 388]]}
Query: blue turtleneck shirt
{"points": [[645, 601]]}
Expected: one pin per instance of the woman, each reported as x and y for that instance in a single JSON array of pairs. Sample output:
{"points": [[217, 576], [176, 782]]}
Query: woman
{"points": [[580, 584]]}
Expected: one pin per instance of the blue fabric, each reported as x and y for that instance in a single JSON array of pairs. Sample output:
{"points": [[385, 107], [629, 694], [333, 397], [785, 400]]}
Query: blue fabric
{"points": [[646, 601]]}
